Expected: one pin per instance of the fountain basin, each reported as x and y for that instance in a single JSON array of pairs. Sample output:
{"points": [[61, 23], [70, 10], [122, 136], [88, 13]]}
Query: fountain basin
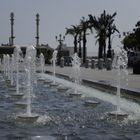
{"points": [[43, 138], [21, 105], [91, 103], [12, 89], [81, 121], [62, 88], [54, 84], [119, 115], [22, 87], [16, 96], [27, 118], [11, 86], [41, 79], [47, 81], [75, 95], [7, 81]]}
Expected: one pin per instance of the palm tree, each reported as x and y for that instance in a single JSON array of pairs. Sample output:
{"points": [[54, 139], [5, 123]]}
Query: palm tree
{"points": [[74, 31], [100, 25], [111, 30], [84, 25], [104, 28]]}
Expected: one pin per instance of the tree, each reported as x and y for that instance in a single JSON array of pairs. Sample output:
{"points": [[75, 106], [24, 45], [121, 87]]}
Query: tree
{"points": [[84, 26], [104, 28], [132, 39], [74, 31], [129, 42], [111, 29], [137, 35], [100, 26]]}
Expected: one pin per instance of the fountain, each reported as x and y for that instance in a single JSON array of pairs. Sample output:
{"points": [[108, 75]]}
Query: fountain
{"points": [[120, 64], [42, 62], [17, 57], [4, 65], [54, 84], [76, 75], [7, 68], [12, 65], [28, 116], [41, 65], [30, 81], [69, 119]]}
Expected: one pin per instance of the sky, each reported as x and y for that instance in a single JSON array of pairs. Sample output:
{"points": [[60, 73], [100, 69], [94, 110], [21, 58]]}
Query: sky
{"points": [[56, 15]]}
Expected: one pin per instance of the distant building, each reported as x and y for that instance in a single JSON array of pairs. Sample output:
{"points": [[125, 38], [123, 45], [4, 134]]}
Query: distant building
{"points": [[67, 50], [46, 46], [43, 48]]}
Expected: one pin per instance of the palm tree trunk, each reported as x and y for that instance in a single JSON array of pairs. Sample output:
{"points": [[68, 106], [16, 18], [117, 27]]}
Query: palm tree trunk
{"points": [[109, 47], [104, 50], [75, 44], [100, 51], [84, 48], [79, 54]]}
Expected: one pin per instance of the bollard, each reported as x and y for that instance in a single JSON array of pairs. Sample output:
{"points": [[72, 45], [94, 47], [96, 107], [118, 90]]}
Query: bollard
{"points": [[87, 64], [100, 64], [62, 62], [92, 64], [109, 64]]}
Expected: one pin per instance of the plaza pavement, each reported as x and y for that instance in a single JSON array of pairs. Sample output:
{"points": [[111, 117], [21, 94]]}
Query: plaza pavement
{"points": [[129, 81]]}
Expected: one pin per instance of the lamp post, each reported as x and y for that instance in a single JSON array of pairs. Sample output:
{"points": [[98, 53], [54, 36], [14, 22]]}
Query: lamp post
{"points": [[11, 39], [60, 39], [37, 29], [109, 54]]}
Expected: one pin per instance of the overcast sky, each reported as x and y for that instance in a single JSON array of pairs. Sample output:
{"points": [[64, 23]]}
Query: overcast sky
{"points": [[56, 15]]}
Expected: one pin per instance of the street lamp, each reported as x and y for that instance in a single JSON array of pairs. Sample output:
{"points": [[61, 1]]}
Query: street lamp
{"points": [[60, 39], [109, 55]]}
